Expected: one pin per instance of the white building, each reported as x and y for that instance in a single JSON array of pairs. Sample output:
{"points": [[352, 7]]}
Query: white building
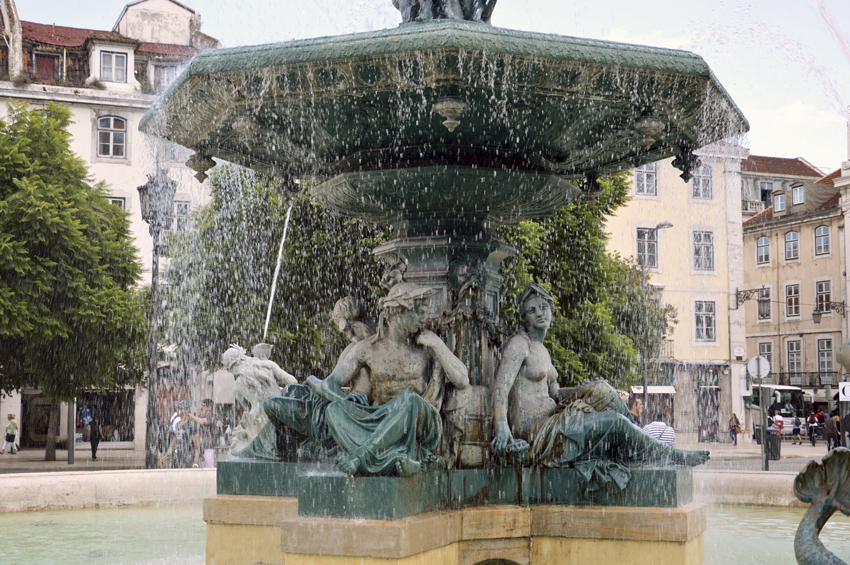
{"points": [[109, 79]]}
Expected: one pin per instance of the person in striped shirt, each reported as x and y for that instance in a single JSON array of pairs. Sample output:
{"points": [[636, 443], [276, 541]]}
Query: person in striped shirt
{"points": [[661, 431]]}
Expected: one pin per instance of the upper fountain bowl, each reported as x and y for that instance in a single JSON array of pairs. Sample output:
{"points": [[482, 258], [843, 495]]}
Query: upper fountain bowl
{"points": [[446, 92]]}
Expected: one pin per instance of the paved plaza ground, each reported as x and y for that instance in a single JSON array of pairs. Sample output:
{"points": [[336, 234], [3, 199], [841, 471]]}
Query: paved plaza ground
{"points": [[746, 456]]}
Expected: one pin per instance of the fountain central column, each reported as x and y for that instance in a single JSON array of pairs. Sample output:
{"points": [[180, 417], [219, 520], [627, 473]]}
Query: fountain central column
{"points": [[464, 270]]}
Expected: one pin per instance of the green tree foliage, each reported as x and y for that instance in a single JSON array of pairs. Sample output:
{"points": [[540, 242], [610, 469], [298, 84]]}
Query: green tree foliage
{"points": [[221, 275], [68, 267], [605, 318]]}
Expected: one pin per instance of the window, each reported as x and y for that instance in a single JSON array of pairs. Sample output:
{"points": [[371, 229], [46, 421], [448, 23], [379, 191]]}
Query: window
{"points": [[823, 291], [825, 355], [701, 183], [163, 76], [645, 178], [763, 251], [111, 137], [779, 203], [647, 246], [766, 189], [703, 251], [822, 240], [113, 66], [795, 356], [766, 351], [764, 293], [46, 67], [704, 314], [797, 195], [180, 217], [792, 300], [792, 248], [120, 202]]}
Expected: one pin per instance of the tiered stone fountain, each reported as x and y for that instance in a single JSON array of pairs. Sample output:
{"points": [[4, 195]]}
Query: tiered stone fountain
{"points": [[444, 128]]}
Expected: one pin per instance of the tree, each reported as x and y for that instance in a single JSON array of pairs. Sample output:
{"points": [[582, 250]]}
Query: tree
{"points": [[221, 273], [605, 317], [70, 316], [221, 276]]}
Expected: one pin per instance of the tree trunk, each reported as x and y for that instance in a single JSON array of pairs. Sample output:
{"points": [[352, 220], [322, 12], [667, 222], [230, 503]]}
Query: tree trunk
{"points": [[52, 432]]}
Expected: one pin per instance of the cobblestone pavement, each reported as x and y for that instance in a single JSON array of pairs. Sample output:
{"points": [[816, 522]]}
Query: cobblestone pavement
{"points": [[746, 456]]}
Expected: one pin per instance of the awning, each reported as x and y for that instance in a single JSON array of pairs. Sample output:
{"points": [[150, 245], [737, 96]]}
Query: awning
{"points": [[654, 390]]}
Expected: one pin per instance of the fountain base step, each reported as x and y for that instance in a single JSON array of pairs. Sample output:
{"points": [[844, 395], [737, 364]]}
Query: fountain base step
{"points": [[247, 530], [323, 493]]}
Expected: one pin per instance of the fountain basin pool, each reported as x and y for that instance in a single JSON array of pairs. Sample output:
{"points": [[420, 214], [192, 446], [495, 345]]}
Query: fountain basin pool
{"points": [[743, 535]]}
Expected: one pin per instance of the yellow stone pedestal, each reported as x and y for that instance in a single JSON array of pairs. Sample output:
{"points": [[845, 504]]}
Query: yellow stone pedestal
{"points": [[250, 530]]}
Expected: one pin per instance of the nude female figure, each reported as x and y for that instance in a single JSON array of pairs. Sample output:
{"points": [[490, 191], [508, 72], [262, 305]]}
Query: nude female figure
{"points": [[591, 424]]}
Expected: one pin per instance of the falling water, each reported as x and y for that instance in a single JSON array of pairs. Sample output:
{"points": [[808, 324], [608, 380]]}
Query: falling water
{"points": [[276, 271]]}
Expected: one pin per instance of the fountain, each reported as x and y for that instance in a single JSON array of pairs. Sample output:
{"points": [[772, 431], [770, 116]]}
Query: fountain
{"points": [[444, 128]]}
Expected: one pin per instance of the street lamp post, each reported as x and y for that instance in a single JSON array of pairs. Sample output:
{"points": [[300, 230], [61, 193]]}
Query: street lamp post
{"points": [[651, 234], [156, 198]]}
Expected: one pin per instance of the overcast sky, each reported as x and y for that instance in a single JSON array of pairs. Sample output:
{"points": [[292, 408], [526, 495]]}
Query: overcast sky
{"points": [[782, 61]]}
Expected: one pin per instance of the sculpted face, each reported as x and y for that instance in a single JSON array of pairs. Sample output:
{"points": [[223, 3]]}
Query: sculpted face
{"points": [[538, 313], [412, 320]]}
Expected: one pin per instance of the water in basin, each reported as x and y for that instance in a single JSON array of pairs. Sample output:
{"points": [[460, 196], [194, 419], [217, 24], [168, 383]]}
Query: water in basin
{"points": [[173, 535], [750, 535]]}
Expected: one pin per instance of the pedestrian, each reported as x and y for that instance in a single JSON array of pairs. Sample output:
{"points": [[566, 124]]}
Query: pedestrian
{"points": [[95, 435], [830, 432], [208, 431], [185, 447], [660, 430], [734, 428], [812, 422], [636, 408], [778, 423], [796, 424], [11, 435], [845, 429]]}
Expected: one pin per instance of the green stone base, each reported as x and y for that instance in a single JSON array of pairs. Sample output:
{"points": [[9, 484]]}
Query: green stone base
{"points": [[265, 478], [326, 493]]}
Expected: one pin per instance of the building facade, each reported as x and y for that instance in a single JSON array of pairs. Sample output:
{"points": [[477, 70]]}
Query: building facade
{"points": [[108, 79], [795, 258], [763, 176], [695, 266]]}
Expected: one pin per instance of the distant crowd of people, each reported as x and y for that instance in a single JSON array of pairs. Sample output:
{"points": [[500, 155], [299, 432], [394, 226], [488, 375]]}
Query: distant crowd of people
{"points": [[195, 437]]}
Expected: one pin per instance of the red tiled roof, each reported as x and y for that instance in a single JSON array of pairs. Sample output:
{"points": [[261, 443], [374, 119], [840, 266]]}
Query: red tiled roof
{"points": [[762, 216], [67, 36], [830, 178], [168, 49], [833, 200], [779, 166]]}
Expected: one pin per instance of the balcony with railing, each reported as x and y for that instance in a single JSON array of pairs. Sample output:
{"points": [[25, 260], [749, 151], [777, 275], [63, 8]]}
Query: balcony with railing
{"points": [[751, 206], [667, 351], [812, 379]]}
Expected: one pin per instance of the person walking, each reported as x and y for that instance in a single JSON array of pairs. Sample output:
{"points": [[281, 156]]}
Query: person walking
{"points": [[812, 422], [95, 434], [11, 435], [208, 425], [830, 433], [796, 424], [734, 426]]}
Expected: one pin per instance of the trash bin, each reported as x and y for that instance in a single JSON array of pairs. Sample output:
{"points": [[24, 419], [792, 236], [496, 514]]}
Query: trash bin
{"points": [[773, 447]]}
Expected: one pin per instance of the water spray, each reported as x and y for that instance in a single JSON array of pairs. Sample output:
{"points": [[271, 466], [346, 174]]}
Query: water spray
{"points": [[276, 271]]}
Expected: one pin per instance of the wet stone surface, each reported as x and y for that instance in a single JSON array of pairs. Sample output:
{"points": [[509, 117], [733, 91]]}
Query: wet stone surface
{"points": [[327, 493]]}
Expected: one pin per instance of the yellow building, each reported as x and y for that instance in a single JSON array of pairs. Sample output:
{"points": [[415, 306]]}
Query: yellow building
{"points": [[696, 265], [794, 255]]}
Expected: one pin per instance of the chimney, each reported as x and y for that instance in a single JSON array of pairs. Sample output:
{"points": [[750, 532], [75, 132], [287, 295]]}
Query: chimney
{"points": [[13, 37]]}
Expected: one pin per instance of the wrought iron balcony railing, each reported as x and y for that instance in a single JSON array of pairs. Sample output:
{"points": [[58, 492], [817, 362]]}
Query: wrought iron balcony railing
{"points": [[811, 379]]}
